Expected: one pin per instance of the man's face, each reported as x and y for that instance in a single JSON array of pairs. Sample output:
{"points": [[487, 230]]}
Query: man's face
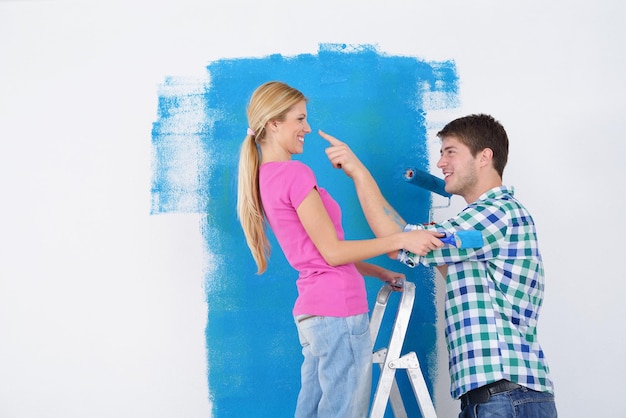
{"points": [[459, 167]]}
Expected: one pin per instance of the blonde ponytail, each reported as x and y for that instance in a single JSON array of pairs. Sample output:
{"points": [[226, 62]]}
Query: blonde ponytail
{"points": [[269, 102], [249, 207]]}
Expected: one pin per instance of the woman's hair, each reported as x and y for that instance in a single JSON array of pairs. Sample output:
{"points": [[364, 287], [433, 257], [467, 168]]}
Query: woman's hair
{"points": [[269, 102]]}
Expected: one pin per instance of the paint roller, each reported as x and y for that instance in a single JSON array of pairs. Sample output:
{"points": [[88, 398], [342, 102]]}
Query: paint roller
{"points": [[459, 239], [470, 238], [426, 181], [429, 182]]}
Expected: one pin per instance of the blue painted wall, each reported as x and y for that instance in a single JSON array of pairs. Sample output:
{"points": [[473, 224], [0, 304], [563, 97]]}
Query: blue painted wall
{"points": [[373, 101]]}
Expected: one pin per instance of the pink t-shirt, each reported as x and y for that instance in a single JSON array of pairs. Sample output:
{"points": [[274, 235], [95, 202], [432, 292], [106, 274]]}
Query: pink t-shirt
{"points": [[322, 289]]}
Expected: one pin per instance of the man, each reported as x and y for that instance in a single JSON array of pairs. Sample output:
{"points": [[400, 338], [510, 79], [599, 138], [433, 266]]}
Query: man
{"points": [[493, 293]]}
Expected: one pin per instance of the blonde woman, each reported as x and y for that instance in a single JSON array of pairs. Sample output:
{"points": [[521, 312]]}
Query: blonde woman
{"points": [[331, 310]]}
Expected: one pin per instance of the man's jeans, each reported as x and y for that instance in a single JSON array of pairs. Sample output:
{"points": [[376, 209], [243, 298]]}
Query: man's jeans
{"points": [[337, 367], [517, 403]]}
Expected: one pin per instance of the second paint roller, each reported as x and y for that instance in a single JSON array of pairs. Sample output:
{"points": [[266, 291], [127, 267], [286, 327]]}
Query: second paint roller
{"points": [[470, 238]]}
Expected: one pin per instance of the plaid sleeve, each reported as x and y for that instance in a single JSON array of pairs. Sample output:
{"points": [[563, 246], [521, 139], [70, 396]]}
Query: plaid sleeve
{"points": [[487, 218]]}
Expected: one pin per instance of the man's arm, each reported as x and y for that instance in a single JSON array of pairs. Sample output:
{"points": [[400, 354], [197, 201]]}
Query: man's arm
{"points": [[380, 215]]}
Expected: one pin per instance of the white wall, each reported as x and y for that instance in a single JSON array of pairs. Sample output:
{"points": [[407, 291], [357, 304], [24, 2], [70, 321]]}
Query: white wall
{"points": [[102, 307]]}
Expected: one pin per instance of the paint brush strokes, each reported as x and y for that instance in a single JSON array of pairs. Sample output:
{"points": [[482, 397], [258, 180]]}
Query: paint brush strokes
{"points": [[376, 103]]}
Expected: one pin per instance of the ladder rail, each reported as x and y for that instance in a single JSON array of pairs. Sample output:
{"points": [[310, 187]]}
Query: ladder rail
{"points": [[379, 311], [397, 406], [389, 358]]}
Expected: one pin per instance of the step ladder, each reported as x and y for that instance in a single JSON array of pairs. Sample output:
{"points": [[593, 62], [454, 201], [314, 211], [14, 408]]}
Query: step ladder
{"points": [[389, 358]]}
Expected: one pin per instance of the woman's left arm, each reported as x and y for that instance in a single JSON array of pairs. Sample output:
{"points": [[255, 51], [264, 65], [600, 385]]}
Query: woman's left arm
{"points": [[372, 270]]}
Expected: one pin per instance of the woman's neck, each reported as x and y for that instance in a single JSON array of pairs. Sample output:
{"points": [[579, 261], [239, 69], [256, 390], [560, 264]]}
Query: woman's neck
{"points": [[271, 154]]}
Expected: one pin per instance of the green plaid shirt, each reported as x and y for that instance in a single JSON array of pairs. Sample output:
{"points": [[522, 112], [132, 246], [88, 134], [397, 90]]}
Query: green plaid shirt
{"points": [[493, 296]]}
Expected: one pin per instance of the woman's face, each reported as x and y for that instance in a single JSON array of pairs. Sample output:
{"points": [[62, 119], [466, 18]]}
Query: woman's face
{"points": [[290, 132]]}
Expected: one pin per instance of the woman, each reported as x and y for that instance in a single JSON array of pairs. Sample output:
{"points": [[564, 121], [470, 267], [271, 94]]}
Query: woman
{"points": [[331, 311]]}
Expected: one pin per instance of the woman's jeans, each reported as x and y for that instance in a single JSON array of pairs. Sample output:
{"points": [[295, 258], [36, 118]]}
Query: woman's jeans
{"points": [[517, 403], [337, 366]]}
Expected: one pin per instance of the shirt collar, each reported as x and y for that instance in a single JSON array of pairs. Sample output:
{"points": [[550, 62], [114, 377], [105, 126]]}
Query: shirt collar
{"points": [[499, 192]]}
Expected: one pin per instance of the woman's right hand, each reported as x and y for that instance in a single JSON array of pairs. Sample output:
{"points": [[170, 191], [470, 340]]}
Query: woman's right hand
{"points": [[421, 241]]}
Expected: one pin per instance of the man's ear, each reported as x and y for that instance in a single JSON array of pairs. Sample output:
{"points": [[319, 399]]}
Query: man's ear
{"points": [[486, 156]]}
